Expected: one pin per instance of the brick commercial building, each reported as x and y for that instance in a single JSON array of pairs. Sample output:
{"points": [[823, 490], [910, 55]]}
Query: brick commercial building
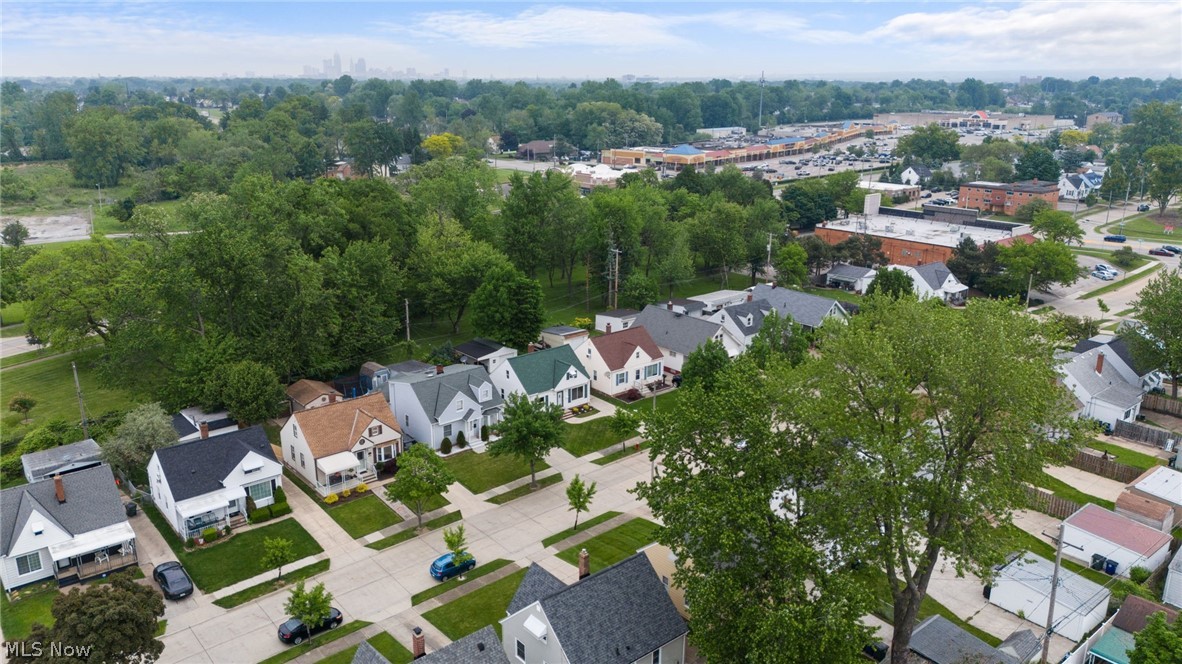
{"points": [[920, 240], [1006, 197]]}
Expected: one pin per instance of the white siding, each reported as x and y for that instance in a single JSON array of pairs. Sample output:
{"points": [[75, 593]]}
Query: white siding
{"points": [[1014, 597], [1172, 594], [291, 437], [1093, 544], [11, 577], [411, 417], [536, 651]]}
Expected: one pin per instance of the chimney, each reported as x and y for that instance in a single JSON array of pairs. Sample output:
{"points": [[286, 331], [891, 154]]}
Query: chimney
{"points": [[670, 305], [584, 564], [1100, 363], [418, 643], [204, 427], [60, 489], [609, 329], [438, 369], [332, 398], [773, 285], [750, 296]]}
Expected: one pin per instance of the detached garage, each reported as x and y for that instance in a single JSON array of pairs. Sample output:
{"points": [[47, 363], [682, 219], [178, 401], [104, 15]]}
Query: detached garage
{"points": [[1024, 585], [1094, 536]]}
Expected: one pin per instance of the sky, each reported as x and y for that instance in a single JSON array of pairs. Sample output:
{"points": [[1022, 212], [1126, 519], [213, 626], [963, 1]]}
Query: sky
{"points": [[594, 40]]}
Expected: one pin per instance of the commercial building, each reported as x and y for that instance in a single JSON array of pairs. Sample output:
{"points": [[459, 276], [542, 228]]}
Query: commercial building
{"points": [[976, 119], [1006, 197], [891, 190], [1115, 119], [918, 239]]}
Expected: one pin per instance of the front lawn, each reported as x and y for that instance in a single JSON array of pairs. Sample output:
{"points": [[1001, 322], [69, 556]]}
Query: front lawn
{"points": [[384, 643], [588, 437], [609, 548], [33, 606], [525, 489], [486, 606], [455, 582], [362, 516], [666, 401], [481, 472], [411, 533], [583, 525]]}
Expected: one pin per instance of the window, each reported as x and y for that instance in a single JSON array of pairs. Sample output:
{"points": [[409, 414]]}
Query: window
{"points": [[460, 405], [295, 430], [652, 370], [406, 418], [375, 431], [291, 450], [577, 393], [447, 431], [507, 372], [260, 491], [502, 393], [29, 563], [383, 453], [520, 650], [621, 378], [484, 394], [657, 656], [595, 374], [638, 374], [302, 460], [638, 355]]}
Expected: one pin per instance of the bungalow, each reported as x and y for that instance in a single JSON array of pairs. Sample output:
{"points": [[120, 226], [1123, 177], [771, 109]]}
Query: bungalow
{"points": [[1024, 585], [934, 280], [1102, 392], [194, 423], [337, 447], [1073, 187], [552, 376], [208, 482], [305, 393], [71, 527], [916, 174], [1163, 485], [61, 460], [850, 277], [615, 320], [743, 321], [1118, 354], [549, 621], [442, 402], [809, 311], [622, 360], [678, 335], [1094, 535], [485, 352]]}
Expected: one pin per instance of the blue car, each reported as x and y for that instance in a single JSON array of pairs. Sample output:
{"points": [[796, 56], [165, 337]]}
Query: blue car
{"points": [[1114, 238], [444, 567]]}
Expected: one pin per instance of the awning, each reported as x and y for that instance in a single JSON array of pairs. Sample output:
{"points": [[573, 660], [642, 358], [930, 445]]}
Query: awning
{"points": [[336, 463], [209, 502], [92, 541], [959, 288]]}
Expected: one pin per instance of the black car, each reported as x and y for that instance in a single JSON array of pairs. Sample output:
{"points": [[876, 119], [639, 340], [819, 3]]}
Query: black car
{"points": [[173, 579], [1144, 207], [296, 632], [1172, 249]]}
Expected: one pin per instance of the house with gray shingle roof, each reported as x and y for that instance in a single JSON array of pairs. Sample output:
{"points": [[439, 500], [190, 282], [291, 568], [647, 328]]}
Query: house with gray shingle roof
{"points": [[852, 277], [71, 526], [619, 615], [809, 311], [934, 280], [743, 321], [938, 640], [1103, 394], [553, 376], [485, 352], [679, 334], [443, 401], [480, 647]]}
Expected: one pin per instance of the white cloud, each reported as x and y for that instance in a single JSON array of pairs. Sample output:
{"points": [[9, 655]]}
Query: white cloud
{"points": [[552, 26]]}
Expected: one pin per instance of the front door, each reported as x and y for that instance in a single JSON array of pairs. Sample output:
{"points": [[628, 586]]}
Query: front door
{"points": [[559, 393], [361, 460]]}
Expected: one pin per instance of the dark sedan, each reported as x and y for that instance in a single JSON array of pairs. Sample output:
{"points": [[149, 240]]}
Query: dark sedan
{"points": [[1161, 252], [296, 632], [1172, 249], [1114, 238], [174, 581]]}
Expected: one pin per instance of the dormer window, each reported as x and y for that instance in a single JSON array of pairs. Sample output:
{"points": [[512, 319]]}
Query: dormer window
{"points": [[295, 430], [484, 394], [375, 431], [460, 405], [638, 355]]}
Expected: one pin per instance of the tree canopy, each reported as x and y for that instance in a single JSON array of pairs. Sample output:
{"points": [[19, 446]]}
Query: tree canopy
{"points": [[529, 431]]}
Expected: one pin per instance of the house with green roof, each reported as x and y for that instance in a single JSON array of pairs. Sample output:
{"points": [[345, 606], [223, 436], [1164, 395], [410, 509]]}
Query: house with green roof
{"points": [[554, 376]]}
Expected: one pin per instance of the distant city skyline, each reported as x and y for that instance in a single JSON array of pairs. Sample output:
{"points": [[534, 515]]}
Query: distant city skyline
{"points": [[513, 40]]}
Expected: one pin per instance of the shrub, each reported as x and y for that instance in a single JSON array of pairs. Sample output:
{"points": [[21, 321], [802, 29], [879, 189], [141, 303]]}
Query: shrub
{"points": [[209, 534], [362, 488], [445, 446], [632, 394], [250, 505], [226, 530], [584, 323], [345, 493], [280, 497], [461, 440], [190, 543], [1124, 257], [483, 432], [280, 509], [379, 467], [1139, 574], [331, 498]]}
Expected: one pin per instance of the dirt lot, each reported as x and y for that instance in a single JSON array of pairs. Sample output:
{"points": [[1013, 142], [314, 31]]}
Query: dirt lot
{"points": [[54, 228]]}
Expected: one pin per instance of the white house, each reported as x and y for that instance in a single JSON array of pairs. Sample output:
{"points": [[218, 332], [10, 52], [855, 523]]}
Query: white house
{"points": [[1094, 533], [444, 401], [1172, 594], [552, 376], [1024, 586], [916, 174], [622, 360], [678, 334], [305, 393], [72, 527], [934, 280], [206, 482], [484, 352], [1120, 357], [850, 277], [1102, 392], [338, 446], [619, 615], [564, 335], [742, 321], [1073, 187], [718, 299], [194, 423], [61, 460], [615, 320], [809, 311]]}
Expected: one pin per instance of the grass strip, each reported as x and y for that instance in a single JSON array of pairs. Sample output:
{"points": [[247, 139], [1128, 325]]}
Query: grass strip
{"points": [[1127, 456], [267, 587], [321, 639], [485, 606], [362, 516], [1122, 283], [481, 472], [594, 521], [455, 582], [160, 627], [609, 548], [411, 533], [525, 489], [1068, 492], [619, 454], [587, 437]]}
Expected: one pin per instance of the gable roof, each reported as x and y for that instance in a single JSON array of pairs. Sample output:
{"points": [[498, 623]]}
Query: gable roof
{"points": [[54, 458], [336, 427], [541, 370], [677, 332], [478, 348], [1142, 506], [935, 274], [1132, 535], [1107, 385], [367, 654], [614, 616], [198, 467], [305, 390], [684, 302], [921, 170], [617, 347], [943, 642], [435, 391], [755, 309], [1118, 346], [536, 584], [480, 647], [1135, 612], [92, 502], [1035, 572], [852, 272], [806, 309]]}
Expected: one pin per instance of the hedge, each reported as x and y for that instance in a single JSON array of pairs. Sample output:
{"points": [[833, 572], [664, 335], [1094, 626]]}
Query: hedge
{"points": [[261, 514]]}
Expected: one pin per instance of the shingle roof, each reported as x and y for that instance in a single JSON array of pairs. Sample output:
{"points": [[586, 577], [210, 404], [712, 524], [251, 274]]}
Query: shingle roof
{"points": [[337, 427], [435, 392], [480, 647], [1135, 612], [1146, 507], [921, 170], [808, 310], [182, 426], [44, 461], [409, 366], [614, 616], [677, 332], [1118, 346], [753, 310], [198, 467], [617, 347], [1107, 385], [620, 313], [849, 271], [563, 330], [688, 304], [542, 370], [367, 654], [1118, 529], [1022, 646], [535, 585], [305, 390], [92, 502], [943, 642], [478, 348], [934, 274]]}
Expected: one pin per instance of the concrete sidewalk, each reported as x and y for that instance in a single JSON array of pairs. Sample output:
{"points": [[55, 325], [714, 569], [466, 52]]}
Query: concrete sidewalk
{"points": [[1089, 483]]}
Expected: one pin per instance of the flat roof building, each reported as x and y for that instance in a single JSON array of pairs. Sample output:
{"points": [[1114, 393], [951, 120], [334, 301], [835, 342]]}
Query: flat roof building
{"points": [[1006, 197], [915, 241]]}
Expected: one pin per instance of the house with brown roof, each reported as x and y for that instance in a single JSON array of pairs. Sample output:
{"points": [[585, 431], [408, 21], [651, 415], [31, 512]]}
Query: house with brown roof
{"points": [[338, 446], [306, 393], [1153, 513], [622, 360]]}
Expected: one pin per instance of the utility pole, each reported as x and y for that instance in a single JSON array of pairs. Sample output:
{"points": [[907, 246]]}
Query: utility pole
{"points": [[761, 81], [768, 268], [613, 266], [1046, 640], [81, 408], [406, 304]]}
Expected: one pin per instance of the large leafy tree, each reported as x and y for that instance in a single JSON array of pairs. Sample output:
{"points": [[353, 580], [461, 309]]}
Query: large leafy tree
{"points": [[1037, 163], [103, 143], [929, 421], [450, 267], [891, 282], [703, 366], [1057, 226], [144, 430], [250, 391], [1156, 123], [1165, 174], [780, 340], [1157, 340], [931, 145], [791, 264], [421, 475], [509, 307], [1035, 266], [530, 430]]}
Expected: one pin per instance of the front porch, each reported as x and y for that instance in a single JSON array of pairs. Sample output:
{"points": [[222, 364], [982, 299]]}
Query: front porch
{"points": [[94, 554], [219, 509], [343, 471]]}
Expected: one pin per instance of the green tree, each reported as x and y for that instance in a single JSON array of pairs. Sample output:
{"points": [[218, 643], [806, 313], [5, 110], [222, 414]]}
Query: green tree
{"points": [[1076, 328], [625, 424], [530, 430], [1037, 163], [1057, 226], [1025, 213], [14, 234], [277, 552], [717, 235], [1124, 257], [112, 622], [52, 117], [250, 391], [1156, 123], [103, 144], [22, 403], [930, 145], [637, 291], [1165, 174], [442, 146], [780, 339], [677, 263], [509, 307], [891, 282], [970, 396], [1157, 341], [456, 541], [421, 475], [704, 364], [449, 267], [1037, 265], [310, 606], [1158, 643], [144, 430], [791, 265], [579, 495], [342, 85]]}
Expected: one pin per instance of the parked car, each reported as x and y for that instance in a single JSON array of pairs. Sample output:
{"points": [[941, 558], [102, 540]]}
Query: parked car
{"points": [[173, 580], [1104, 267], [1172, 249], [1114, 238], [926, 194], [1161, 252], [444, 567], [294, 631], [1144, 207], [1104, 276]]}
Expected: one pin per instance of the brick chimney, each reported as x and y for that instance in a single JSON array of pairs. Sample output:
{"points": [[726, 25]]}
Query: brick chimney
{"points": [[609, 329], [750, 296], [418, 643], [584, 564], [60, 489], [438, 369], [670, 305], [1100, 363], [204, 428], [332, 398]]}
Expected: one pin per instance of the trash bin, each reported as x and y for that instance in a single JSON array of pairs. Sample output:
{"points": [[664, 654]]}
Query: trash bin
{"points": [[131, 508], [1098, 562], [1110, 567]]}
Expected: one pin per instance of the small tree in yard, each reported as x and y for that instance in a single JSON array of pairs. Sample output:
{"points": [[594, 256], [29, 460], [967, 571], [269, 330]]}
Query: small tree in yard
{"points": [[22, 403], [311, 606], [421, 475], [143, 431], [529, 431], [1157, 341], [456, 541], [580, 494], [625, 424], [277, 552], [1158, 643]]}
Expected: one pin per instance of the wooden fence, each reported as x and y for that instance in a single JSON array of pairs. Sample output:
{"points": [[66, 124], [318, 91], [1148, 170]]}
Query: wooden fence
{"points": [[1144, 434], [1105, 467], [1048, 503], [1162, 404]]}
